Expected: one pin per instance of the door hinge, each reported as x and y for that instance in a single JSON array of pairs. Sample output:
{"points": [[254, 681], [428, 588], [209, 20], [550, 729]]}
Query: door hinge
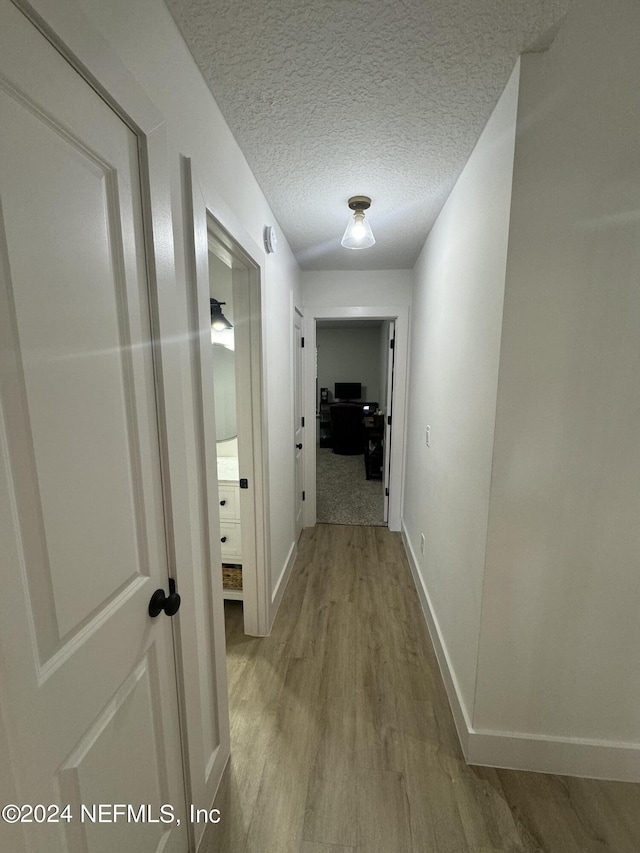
{"points": [[392, 343], [302, 342], [388, 420], [303, 496], [386, 493], [301, 421], [244, 483]]}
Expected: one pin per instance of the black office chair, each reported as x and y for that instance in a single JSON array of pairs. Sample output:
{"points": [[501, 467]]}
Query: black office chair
{"points": [[347, 432]]}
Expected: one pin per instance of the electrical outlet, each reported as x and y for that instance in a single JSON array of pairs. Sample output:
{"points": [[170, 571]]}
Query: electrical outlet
{"points": [[422, 543], [428, 436]]}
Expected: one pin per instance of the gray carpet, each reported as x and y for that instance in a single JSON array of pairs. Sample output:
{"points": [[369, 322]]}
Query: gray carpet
{"points": [[343, 494]]}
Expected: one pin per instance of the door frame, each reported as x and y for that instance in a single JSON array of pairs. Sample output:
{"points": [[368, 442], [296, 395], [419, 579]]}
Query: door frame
{"points": [[388, 426], [73, 34], [399, 313], [298, 405], [217, 221], [252, 435]]}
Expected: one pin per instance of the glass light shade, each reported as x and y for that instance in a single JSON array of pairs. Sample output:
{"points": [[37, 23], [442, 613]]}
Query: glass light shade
{"points": [[220, 324], [358, 234]]}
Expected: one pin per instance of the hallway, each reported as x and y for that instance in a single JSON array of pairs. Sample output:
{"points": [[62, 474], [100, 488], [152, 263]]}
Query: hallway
{"points": [[342, 738]]}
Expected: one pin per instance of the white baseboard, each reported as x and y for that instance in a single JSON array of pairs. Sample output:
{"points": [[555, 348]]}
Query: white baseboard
{"points": [[460, 714], [561, 756], [515, 750], [283, 580]]}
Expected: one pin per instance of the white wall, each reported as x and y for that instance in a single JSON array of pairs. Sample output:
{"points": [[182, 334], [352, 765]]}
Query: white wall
{"points": [[349, 355], [560, 624], [528, 495], [145, 37], [340, 288], [455, 344]]}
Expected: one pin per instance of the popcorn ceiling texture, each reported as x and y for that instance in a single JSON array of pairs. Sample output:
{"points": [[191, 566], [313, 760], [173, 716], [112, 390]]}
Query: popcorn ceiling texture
{"points": [[333, 98]]}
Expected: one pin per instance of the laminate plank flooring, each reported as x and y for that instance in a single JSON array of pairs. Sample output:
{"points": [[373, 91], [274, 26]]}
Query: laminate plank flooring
{"points": [[343, 740]]}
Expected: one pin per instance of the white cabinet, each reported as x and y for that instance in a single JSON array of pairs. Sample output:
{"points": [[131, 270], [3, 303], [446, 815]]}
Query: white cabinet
{"points": [[230, 531], [230, 540], [229, 502]]}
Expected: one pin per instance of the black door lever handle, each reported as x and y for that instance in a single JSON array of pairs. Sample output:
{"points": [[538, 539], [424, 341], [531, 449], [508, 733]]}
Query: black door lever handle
{"points": [[169, 603]]}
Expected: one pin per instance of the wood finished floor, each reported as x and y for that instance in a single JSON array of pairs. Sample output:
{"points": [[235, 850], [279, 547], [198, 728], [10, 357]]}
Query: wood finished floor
{"points": [[343, 741]]}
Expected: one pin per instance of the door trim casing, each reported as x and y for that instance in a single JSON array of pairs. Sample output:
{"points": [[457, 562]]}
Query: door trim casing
{"points": [[252, 432], [226, 229], [296, 310], [399, 313]]}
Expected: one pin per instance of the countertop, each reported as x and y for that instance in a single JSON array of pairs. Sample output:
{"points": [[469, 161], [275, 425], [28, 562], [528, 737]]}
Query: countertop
{"points": [[228, 468]]}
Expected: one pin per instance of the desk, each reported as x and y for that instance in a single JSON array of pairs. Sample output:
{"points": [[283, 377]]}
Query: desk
{"points": [[325, 432], [347, 436]]}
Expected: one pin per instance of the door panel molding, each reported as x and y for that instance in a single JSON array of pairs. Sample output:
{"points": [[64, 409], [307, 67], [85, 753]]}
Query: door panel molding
{"points": [[42, 359]]}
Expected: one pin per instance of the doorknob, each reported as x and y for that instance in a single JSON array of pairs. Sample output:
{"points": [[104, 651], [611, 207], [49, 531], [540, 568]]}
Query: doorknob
{"points": [[299, 446], [169, 603]]}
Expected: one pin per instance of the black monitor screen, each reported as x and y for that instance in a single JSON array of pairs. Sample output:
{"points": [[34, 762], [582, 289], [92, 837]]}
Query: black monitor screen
{"points": [[347, 390]]}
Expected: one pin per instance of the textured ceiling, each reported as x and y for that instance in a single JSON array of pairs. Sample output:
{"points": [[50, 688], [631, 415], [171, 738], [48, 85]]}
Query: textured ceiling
{"points": [[334, 98]]}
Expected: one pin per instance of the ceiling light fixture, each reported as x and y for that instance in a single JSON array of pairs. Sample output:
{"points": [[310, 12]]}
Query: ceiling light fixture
{"points": [[218, 321], [358, 234]]}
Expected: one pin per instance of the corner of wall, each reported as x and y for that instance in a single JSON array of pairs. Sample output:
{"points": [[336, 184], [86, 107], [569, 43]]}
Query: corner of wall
{"points": [[515, 751]]}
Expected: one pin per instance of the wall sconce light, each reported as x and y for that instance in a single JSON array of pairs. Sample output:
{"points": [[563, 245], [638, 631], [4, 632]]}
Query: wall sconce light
{"points": [[358, 234], [218, 321]]}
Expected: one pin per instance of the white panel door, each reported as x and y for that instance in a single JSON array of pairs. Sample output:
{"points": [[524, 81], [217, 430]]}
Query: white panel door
{"points": [[88, 678], [298, 404], [388, 418]]}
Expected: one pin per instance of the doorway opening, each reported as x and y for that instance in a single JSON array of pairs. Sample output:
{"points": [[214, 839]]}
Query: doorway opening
{"points": [[386, 437], [236, 345], [352, 374]]}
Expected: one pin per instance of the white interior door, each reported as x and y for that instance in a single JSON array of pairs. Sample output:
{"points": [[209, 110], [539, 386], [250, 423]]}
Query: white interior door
{"points": [[88, 677], [298, 400], [388, 418]]}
